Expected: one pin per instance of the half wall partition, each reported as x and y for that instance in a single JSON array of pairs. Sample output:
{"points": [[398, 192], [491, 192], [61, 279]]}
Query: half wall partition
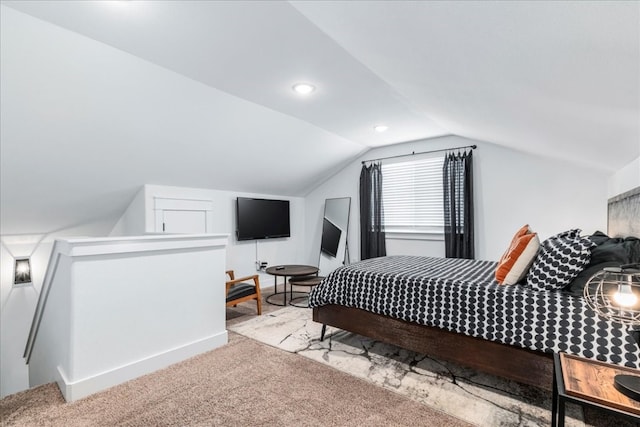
{"points": [[113, 309]]}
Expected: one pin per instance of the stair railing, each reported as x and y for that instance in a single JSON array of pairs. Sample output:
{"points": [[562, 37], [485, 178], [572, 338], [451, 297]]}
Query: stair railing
{"points": [[52, 267]]}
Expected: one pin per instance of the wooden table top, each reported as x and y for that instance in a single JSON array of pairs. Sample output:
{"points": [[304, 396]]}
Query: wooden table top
{"points": [[593, 380], [306, 281], [292, 270]]}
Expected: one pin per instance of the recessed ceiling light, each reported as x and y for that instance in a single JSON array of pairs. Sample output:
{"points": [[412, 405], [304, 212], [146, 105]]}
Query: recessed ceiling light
{"points": [[380, 128], [303, 88]]}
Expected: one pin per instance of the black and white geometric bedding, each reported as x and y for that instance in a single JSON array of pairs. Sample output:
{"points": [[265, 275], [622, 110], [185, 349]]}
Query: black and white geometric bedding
{"points": [[462, 296]]}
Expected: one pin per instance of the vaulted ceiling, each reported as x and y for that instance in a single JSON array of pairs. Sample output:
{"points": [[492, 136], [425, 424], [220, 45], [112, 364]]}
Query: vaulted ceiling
{"points": [[100, 97]]}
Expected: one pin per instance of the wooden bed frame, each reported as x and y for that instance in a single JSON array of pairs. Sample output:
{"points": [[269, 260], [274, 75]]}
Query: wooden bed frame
{"points": [[514, 363]]}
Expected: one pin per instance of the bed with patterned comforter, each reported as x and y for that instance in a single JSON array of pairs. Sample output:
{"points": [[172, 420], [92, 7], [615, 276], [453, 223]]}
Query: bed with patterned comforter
{"points": [[462, 296]]}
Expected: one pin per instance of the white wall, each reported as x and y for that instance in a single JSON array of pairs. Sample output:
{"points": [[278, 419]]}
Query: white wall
{"points": [[17, 307], [132, 222], [625, 179], [241, 256], [511, 189]]}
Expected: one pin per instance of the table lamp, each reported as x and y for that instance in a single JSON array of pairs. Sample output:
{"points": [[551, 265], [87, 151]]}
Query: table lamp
{"points": [[614, 293]]}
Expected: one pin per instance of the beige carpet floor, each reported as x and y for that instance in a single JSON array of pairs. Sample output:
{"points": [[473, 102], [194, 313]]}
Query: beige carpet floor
{"points": [[244, 383]]}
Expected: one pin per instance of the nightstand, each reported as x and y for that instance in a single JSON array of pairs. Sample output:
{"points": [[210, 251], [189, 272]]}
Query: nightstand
{"points": [[589, 383]]}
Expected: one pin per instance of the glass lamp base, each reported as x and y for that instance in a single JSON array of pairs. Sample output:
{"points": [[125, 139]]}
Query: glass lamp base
{"points": [[629, 385]]}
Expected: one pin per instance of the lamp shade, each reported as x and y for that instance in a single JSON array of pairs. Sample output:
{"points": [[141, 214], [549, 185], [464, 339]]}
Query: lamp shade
{"points": [[614, 293]]}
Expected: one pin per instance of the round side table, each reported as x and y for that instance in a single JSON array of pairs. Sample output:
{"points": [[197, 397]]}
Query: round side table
{"points": [[285, 271], [309, 281]]}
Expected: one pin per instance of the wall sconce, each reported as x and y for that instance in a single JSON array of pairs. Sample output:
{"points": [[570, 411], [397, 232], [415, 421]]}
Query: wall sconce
{"points": [[22, 272]]}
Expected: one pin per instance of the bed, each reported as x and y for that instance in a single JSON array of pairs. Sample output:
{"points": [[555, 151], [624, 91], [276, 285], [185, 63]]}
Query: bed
{"points": [[454, 309]]}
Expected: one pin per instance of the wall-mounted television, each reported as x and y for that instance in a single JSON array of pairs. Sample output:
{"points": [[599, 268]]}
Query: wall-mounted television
{"points": [[330, 238], [262, 218]]}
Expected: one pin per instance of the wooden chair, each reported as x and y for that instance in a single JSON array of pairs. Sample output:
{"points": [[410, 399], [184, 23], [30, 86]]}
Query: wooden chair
{"points": [[239, 291]]}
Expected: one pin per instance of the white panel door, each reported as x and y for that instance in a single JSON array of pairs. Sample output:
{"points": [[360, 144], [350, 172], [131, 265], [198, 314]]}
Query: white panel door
{"points": [[184, 222]]}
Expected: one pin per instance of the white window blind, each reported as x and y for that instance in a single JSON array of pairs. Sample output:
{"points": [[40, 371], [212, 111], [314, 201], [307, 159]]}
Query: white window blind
{"points": [[412, 196]]}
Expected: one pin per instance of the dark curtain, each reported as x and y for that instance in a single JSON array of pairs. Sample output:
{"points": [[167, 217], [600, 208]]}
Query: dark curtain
{"points": [[458, 205], [372, 237]]}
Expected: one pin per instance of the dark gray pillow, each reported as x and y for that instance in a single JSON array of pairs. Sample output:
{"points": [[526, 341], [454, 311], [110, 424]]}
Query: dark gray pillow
{"points": [[609, 252], [576, 287]]}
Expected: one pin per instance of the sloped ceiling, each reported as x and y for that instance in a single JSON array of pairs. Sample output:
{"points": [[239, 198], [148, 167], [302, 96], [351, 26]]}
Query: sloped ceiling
{"points": [[558, 78], [99, 98]]}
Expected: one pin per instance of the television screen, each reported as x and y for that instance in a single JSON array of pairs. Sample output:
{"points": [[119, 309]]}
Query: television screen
{"points": [[261, 218], [330, 238]]}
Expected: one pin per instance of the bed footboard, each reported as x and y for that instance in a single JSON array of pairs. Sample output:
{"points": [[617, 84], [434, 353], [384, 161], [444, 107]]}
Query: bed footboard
{"points": [[514, 363]]}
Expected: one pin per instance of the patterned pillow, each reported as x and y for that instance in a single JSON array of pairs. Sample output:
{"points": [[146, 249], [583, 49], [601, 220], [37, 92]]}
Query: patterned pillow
{"points": [[515, 262], [561, 258]]}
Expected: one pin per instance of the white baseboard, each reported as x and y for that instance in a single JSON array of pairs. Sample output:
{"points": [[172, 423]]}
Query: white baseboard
{"points": [[82, 388]]}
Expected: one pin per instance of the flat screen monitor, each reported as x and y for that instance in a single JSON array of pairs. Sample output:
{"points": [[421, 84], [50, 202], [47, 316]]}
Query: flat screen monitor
{"points": [[262, 218], [330, 238]]}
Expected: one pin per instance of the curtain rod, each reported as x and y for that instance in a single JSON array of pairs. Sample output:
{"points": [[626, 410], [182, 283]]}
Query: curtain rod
{"points": [[413, 153]]}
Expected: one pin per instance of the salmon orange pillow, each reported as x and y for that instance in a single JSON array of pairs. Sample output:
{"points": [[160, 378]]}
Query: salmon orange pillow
{"points": [[517, 260]]}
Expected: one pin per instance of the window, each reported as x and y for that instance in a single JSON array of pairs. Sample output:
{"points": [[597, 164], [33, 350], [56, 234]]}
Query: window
{"points": [[412, 196]]}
